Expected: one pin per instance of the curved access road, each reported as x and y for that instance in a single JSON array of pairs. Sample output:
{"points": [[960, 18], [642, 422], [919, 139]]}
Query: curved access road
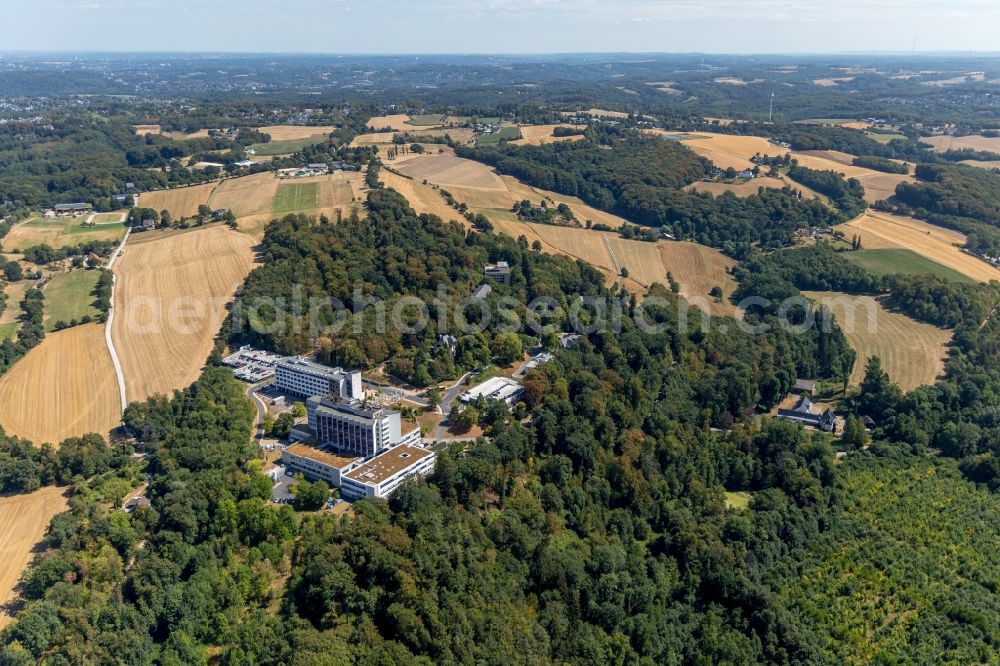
{"points": [[107, 326]]}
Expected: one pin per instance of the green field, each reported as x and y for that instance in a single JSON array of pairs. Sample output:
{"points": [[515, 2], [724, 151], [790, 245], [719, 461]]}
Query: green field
{"points": [[505, 134], [287, 147], [108, 218], [59, 232], [903, 262], [296, 196], [737, 500], [424, 121], [9, 330], [69, 296]]}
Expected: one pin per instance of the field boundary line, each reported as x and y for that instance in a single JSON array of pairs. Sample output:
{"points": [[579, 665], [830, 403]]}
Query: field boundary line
{"points": [[119, 375]]}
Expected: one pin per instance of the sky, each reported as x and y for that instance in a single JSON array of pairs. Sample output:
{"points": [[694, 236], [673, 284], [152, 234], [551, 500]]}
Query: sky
{"points": [[500, 26]]}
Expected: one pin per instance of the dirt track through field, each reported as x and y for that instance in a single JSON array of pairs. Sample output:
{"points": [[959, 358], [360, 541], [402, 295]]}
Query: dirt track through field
{"points": [[64, 387], [24, 520], [170, 300]]}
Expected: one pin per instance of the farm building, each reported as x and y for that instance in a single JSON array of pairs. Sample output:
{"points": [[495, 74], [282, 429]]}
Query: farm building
{"points": [[804, 387], [804, 413], [71, 208]]}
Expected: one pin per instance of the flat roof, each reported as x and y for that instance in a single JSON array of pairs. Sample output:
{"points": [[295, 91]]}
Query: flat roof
{"points": [[319, 455], [495, 387], [385, 465], [298, 363]]}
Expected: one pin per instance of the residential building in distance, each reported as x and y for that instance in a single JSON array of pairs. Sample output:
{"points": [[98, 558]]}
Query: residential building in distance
{"points": [[306, 379], [383, 474], [499, 271], [356, 428], [496, 388]]}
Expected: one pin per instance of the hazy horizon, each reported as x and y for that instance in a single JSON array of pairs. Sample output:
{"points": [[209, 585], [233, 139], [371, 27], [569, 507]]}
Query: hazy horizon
{"points": [[502, 27]]}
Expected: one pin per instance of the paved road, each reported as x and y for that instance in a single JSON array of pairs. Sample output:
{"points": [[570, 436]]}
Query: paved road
{"points": [[251, 393], [446, 401], [119, 375]]}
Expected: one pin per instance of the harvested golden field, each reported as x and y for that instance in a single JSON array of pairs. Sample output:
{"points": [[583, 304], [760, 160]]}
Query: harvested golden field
{"points": [[246, 195], [180, 201], [882, 230], [398, 122], [295, 132], [146, 129], [726, 150], [741, 189], [24, 519], [62, 388], [448, 170], [170, 302], [829, 83], [186, 136], [536, 135], [877, 184], [422, 198], [912, 353], [944, 143], [733, 81], [373, 138], [695, 267], [597, 113]]}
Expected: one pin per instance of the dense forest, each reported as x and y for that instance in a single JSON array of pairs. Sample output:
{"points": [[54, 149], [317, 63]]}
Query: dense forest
{"points": [[639, 506], [640, 178]]}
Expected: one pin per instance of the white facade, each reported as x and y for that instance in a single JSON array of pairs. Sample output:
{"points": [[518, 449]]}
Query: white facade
{"points": [[352, 426], [497, 388], [306, 379], [383, 474]]}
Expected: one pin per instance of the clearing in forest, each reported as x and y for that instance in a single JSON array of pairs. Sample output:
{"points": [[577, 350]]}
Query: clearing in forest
{"points": [[180, 201], [884, 231], [170, 301], [912, 353], [64, 387], [24, 520]]}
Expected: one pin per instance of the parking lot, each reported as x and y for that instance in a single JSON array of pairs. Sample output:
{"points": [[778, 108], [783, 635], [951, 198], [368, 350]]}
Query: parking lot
{"points": [[252, 365]]}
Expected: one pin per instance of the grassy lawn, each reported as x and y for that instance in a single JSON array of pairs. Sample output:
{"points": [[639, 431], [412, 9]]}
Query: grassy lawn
{"points": [[737, 500], [904, 262], [9, 330], [59, 232], [423, 121], [505, 134], [296, 196], [109, 218], [68, 296], [287, 147]]}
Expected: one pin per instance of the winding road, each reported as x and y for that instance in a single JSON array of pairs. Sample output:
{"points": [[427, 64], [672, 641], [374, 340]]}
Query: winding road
{"points": [[107, 326]]}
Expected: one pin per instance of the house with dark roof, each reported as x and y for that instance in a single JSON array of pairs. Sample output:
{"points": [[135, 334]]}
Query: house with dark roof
{"points": [[805, 413]]}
